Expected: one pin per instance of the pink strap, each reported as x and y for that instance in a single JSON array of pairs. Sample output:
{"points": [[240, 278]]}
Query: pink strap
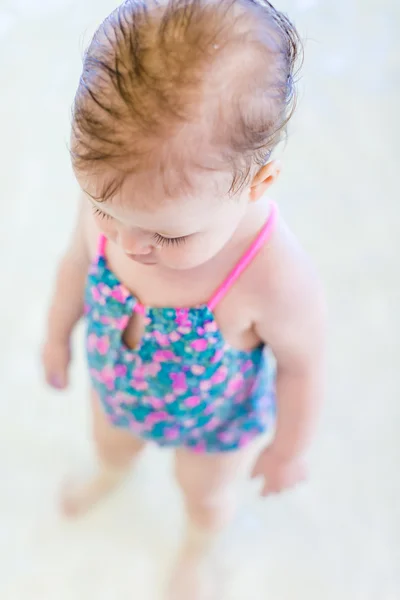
{"points": [[139, 308], [246, 259], [101, 248]]}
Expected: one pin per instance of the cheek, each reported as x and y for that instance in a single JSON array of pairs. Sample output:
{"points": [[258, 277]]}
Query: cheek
{"points": [[106, 226], [196, 252]]}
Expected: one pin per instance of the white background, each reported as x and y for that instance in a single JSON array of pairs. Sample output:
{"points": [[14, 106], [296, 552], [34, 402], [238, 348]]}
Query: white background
{"points": [[338, 537]]}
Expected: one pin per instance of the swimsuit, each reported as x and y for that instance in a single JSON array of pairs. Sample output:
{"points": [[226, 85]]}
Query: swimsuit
{"points": [[183, 385]]}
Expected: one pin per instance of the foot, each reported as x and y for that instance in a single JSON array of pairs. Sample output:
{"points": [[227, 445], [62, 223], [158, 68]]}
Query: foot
{"points": [[78, 498], [192, 578]]}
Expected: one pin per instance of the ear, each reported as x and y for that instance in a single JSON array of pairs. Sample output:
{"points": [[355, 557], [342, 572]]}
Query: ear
{"points": [[265, 177]]}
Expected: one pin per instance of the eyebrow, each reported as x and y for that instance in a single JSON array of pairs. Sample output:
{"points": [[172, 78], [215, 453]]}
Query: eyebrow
{"points": [[108, 192], [99, 199]]}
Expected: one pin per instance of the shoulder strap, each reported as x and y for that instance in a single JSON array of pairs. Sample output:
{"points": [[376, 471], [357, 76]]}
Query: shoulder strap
{"points": [[101, 247], [247, 258]]}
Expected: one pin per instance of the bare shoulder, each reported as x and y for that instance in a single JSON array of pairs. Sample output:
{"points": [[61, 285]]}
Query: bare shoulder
{"points": [[287, 289], [283, 271], [84, 237]]}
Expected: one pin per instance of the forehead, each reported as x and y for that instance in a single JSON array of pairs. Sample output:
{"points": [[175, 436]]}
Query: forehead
{"points": [[141, 200]]}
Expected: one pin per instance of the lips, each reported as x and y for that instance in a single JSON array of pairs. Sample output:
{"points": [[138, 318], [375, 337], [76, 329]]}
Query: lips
{"points": [[142, 259]]}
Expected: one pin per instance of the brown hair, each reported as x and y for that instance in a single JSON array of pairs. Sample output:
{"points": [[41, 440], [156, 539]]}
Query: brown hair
{"points": [[154, 69]]}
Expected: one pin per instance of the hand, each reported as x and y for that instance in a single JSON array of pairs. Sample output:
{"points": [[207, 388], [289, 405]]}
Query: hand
{"points": [[278, 473], [56, 357]]}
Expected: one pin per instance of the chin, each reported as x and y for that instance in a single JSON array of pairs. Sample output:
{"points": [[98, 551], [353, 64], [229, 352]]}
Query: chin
{"points": [[189, 265]]}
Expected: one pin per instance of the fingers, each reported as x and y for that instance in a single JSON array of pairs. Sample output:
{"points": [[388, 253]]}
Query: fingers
{"points": [[55, 361], [270, 489], [56, 377], [256, 472], [58, 380], [278, 486], [266, 491]]}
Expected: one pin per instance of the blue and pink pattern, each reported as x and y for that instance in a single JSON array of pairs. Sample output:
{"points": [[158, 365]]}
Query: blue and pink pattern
{"points": [[183, 385]]}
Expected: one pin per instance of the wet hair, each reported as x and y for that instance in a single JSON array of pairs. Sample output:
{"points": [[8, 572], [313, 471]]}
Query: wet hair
{"points": [[163, 79]]}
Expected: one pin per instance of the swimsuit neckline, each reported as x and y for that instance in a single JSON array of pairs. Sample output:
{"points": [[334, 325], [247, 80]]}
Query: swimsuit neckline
{"points": [[246, 259]]}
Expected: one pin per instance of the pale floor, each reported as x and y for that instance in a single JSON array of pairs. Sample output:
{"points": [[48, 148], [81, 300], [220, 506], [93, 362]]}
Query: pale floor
{"points": [[338, 537]]}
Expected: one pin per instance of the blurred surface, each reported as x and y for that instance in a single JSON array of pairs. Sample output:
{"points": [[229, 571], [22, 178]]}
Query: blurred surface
{"points": [[338, 537]]}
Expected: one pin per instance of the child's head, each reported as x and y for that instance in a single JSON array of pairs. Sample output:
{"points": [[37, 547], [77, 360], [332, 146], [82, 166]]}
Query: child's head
{"points": [[179, 107]]}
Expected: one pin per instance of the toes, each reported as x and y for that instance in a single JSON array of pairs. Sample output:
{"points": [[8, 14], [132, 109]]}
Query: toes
{"points": [[191, 581], [72, 500]]}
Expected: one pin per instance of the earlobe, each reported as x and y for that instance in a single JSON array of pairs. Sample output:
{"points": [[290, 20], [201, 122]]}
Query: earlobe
{"points": [[265, 177]]}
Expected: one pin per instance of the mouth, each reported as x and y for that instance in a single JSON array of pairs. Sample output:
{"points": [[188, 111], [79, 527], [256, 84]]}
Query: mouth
{"points": [[143, 260]]}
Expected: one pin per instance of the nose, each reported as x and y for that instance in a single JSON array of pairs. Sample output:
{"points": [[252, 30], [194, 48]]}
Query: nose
{"points": [[133, 243]]}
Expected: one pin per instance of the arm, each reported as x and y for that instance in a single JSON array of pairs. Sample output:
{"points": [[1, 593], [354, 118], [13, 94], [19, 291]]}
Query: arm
{"points": [[67, 305], [295, 331], [299, 353]]}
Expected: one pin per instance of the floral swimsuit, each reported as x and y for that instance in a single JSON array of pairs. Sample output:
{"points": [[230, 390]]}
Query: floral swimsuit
{"points": [[183, 385]]}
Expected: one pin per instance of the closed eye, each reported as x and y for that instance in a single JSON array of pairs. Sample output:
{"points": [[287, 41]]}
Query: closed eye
{"points": [[99, 213], [160, 240]]}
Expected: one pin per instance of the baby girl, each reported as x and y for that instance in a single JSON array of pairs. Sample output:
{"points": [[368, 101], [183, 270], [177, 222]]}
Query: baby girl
{"points": [[184, 269]]}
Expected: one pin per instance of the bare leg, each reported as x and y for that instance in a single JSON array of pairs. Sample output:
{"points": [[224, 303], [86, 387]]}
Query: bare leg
{"points": [[116, 448], [209, 484]]}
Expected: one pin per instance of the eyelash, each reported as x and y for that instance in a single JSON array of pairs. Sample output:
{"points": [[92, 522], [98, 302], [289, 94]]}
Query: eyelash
{"points": [[163, 241], [160, 240], [100, 213]]}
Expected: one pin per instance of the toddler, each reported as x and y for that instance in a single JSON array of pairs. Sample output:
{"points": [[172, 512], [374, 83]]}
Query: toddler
{"points": [[183, 267]]}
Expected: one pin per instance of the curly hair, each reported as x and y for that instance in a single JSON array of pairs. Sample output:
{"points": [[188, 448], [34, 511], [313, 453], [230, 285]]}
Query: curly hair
{"points": [[161, 78]]}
